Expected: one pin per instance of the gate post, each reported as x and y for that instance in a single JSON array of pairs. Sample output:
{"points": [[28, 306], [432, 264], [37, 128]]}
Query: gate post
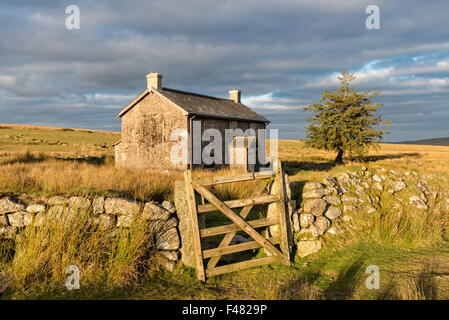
{"points": [[185, 224]]}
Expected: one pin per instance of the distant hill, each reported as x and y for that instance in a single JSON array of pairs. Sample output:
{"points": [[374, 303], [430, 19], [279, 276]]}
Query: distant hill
{"points": [[428, 142], [25, 126]]}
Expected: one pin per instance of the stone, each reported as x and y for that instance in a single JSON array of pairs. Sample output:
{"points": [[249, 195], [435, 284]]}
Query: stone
{"points": [[296, 225], [168, 240], [5, 281], [120, 206], [170, 207], [314, 194], [170, 255], [306, 248], [348, 199], [79, 203], [98, 205], [376, 178], [315, 206], [333, 200], [330, 181], [349, 208], [103, 221], [378, 186], [8, 232], [333, 213], [347, 218], [310, 233], [344, 179], [35, 208], [335, 229], [369, 209], [8, 206], [424, 197], [3, 220], [423, 187], [40, 219], [163, 262], [158, 226], [125, 221], [61, 212], [309, 186], [418, 203], [397, 186], [152, 211], [20, 219], [56, 200], [322, 224], [306, 220]]}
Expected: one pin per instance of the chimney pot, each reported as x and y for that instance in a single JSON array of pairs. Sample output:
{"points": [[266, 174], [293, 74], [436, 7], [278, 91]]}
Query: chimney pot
{"points": [[234, 95], [154, 80]]}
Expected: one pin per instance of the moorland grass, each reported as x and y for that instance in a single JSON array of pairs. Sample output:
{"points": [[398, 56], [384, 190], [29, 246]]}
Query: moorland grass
{"points": [[115, 267]]}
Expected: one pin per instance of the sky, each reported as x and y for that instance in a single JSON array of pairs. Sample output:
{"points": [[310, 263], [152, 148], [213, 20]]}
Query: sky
{"points": [[280, 54]]}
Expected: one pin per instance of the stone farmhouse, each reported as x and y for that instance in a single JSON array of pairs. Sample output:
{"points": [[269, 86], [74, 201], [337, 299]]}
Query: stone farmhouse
{"points": [[149, 120]]}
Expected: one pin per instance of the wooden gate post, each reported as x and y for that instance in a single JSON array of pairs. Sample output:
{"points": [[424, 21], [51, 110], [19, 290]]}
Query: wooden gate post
{"points": [[198, 252]]}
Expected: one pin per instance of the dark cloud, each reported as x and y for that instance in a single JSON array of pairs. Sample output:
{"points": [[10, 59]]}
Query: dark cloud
{"points": [[280, 54]]}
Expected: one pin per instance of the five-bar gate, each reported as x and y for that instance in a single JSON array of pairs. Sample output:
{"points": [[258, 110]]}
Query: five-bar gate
{"points": [[200, 186]]}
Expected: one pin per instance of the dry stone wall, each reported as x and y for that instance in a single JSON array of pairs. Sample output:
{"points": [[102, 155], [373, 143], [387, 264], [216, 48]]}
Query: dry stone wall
{"points": [[108, 213], [328, 208]]}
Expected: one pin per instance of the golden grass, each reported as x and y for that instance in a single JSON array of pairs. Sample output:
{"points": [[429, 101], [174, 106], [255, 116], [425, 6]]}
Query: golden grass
{"points": [[104, 257], [43, 254], [52, 176], [40, 173], [312, 164]]}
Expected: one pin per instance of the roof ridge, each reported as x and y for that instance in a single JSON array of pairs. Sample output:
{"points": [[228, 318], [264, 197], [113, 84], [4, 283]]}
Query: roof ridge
{"points": [[195, 94]]}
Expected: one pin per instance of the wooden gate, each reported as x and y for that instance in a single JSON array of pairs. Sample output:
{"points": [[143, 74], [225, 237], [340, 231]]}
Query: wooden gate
{"points": [[199, 185]]}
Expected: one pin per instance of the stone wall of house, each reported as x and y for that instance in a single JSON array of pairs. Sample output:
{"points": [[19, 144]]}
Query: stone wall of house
{"points": [[146, 131], [147, 128], [108, 213]]}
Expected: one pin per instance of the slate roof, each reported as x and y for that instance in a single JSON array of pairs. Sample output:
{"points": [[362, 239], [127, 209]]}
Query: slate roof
{"points": [[198, 104]]}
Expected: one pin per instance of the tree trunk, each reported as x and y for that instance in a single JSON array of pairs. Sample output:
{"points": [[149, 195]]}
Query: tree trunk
{"points": [[339, 158]]}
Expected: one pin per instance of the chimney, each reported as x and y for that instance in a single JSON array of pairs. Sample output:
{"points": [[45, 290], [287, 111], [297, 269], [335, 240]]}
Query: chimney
{"points": [[234, 95], [154, 80]]}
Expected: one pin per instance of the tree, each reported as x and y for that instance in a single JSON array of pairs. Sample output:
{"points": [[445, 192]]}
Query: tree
{"points": [[344, 121]]}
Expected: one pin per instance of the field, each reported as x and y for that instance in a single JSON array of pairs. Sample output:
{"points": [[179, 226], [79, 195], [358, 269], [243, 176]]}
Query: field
{"points": [[48, 161]]}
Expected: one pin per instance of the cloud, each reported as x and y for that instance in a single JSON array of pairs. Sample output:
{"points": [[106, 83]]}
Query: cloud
{"points": [[281, 55]]}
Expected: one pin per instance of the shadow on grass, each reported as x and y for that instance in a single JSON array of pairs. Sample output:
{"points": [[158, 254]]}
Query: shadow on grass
{"points": [[389, 156], [26, 157], [346, 282], [99, 161], [293, 167], [29, 157]]}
